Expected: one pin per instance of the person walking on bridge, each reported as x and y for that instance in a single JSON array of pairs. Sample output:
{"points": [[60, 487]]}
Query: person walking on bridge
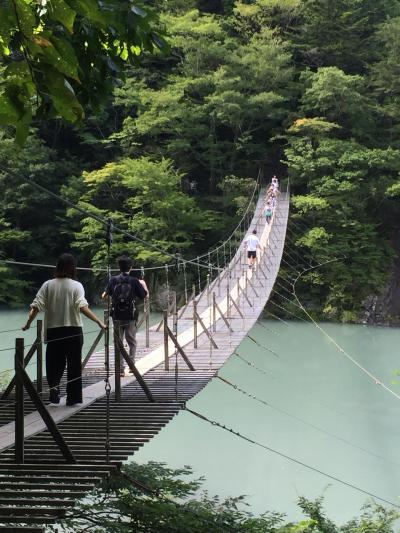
{"points": [[252, 243], [268, 212], [63, 300], [123, 289]]}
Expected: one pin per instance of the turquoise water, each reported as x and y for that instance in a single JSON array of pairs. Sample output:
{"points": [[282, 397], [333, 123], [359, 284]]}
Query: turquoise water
{"points": [[310, 380], [315, 384]]}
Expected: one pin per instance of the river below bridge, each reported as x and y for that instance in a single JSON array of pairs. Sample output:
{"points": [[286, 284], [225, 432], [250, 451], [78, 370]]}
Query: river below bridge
{"points": [[355, 436]]}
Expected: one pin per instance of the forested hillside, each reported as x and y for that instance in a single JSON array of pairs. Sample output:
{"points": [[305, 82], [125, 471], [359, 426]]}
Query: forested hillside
{"points": [[305, 89]]}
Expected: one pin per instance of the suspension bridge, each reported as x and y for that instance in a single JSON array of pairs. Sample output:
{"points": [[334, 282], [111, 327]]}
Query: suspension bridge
{"points": [[51, 456]]}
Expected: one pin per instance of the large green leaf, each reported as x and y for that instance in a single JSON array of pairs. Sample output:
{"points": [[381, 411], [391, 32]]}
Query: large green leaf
{"points": [[63, 96], [68, 62], [56, 52], [59, 10], [26, 19]]}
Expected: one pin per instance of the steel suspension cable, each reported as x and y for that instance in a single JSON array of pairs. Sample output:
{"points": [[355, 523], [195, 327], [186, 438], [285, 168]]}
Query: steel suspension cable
{"points": [[376, 380], [289, 458], [302, 421]]}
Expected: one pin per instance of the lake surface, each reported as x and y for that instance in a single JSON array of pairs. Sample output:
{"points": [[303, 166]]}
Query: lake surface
{"points": [[356, 437]]}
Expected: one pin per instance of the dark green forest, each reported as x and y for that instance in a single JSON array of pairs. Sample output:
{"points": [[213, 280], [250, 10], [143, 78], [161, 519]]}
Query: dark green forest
{"points": [[308, 90]]}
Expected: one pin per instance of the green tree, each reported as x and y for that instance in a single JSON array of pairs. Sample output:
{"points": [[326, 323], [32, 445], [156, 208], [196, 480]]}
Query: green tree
{"points": [[216, 111], [384, 76], [145, 198], [252, 17], [340, 32], [338, 97], [344, 192], [28, 232]]}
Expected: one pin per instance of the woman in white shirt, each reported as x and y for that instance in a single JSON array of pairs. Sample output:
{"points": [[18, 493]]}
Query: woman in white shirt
{"points": [[63, 299]]}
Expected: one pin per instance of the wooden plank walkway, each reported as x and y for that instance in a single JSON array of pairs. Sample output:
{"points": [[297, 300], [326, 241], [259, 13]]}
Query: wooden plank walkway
{"points": [[41, 490]]}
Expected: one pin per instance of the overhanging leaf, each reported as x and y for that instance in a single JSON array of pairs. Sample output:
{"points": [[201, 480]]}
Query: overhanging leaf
{"points": [[59, 10], [26, 19]]}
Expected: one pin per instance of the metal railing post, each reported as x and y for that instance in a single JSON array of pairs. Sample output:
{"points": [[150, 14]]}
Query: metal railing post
{"points": [[147, 320], [175, 317], [117, 362], [175, 333], [228, 303], [214, 312], [39, 357], [194, 324], [19, 402], [106, 341], [166, 354]]}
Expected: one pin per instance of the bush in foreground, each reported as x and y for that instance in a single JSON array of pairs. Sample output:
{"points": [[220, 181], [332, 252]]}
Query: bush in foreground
{"points": [[153, 498]]}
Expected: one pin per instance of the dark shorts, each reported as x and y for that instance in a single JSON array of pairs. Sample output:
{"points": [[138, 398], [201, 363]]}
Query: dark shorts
{"points": [[251, 254]]}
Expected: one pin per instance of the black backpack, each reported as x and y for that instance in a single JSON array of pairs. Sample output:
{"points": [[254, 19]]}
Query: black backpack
{"points": [[123, 299]]}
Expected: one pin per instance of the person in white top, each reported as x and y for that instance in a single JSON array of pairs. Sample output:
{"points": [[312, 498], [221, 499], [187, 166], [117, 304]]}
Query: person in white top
{"points": [[63, 299], [252, 243]]}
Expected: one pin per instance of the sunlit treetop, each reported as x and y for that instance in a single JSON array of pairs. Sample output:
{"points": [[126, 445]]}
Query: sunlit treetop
{"points": [[59, 58]]}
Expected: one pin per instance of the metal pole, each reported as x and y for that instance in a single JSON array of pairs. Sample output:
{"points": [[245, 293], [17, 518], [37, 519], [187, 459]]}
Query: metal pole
{"points": [[19, 402], [117, 362], [214, 321], [147, 320], [175, 332], [166, 354], [107, 340], [39, 357], [175, 316], [194, 324]]}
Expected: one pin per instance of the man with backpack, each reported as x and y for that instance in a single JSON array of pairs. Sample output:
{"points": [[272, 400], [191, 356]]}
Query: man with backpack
{"points": [[123, 289]]}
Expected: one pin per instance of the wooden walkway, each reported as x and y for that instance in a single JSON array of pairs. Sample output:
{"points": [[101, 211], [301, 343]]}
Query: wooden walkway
{"points": [[45, 487]]}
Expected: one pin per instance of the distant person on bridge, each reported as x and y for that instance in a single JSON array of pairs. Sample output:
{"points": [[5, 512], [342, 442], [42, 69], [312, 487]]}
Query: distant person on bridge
{"points": [[268, 212], [275, 183], [123, 289], [63, 299], [252, 243]]}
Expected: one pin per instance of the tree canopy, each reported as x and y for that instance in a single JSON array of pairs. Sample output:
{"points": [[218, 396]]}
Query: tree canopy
{"points": [[305, 89]]}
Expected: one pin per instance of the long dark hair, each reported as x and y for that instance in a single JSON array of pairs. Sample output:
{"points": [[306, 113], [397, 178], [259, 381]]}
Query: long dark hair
{"points": [[66, 267]]}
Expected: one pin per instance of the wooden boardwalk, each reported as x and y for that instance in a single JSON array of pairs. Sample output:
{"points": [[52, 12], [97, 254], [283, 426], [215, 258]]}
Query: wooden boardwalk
{"points": [[45, 487]]}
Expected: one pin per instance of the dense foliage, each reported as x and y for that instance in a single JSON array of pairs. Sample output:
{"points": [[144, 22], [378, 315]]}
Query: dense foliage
{"points": [[60, 56], [152, 498], [307, 89]]}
